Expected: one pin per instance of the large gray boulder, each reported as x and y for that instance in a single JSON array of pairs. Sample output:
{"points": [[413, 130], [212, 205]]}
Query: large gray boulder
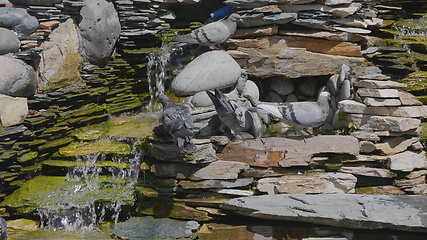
{"points": [[213, 69], [18, 20], [407, 213], [9, 42], [17, 78], [100, 29]]}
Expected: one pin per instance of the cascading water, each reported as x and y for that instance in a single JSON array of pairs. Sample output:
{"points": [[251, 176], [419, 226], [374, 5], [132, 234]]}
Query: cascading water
{"points": [[156, 73], [75, 207]]}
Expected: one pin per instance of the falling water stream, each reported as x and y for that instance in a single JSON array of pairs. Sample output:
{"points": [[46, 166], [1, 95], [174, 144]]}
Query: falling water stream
{"points": [[69, 208]]}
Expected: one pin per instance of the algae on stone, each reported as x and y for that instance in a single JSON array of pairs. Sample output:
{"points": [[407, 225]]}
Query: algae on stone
{"points": [[72, 164], [101, 146], [56, 192]]}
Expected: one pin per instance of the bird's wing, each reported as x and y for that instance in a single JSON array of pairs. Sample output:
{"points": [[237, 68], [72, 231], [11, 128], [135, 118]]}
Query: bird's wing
{"points": [[305, 114], [210, 34]]}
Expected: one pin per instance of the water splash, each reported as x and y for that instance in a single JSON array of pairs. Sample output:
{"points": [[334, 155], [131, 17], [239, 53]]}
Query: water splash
{"points": [[156, 73], [82, 204]]}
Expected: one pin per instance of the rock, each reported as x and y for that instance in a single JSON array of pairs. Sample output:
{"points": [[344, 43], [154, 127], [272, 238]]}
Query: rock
{"points": [[351, 106], [220, 170], [378, 93], [368, 172], [215, 184], [23, 224], [324, 46], [308, 87], [60, 60], [288, 152], [378, 84], [380, 190], [169, 153], [9, 42], [408, 111], [366, 136], [18, 20], [408, 99], [346, 11], [337, 2], [101, 146], [259, 19], [313, 23], [381, 123], [367, 147], [345, 90], [234, 192], [273, 96], [173, 170], [256, 32], [150, 228], [99, 30], [340, 210], [202, 74], [406, 184], [312, 33], [395, 145], [17, 78], [309, 184], [408, 161], [381, 102], [35, 2], [418, 146], [373, 74], [353, 30], [282, 86], [279, 60], [13, 111], [49, 192], [251, 91]]}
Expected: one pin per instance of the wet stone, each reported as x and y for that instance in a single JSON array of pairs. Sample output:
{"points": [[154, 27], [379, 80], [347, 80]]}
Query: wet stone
{"points": [[211, 184], [149, 228]]}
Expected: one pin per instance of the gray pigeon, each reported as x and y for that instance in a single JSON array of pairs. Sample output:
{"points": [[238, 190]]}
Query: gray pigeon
{"points": [[177, 121], [3, 229], [300, 115], [213, 33], [234, 116], [308, 114]]}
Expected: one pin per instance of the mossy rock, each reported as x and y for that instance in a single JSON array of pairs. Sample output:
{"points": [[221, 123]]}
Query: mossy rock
{"points": [[55, 144], [424, 130], [28, 157], [55, 193], [121, 127], [72, 164], [162, 208], [101, 146], [62, 235], [416, 81]]}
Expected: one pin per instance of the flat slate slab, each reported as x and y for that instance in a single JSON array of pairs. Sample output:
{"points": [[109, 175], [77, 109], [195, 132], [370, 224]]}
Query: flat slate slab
{"points": [[406, 213], [288, 151]]}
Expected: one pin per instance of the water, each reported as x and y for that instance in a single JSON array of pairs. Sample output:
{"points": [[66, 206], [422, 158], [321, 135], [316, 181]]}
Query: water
{"points": [[156, 73], [77, 206]]}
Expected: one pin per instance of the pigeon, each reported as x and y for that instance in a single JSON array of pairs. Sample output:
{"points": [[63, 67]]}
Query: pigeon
{"points": [[3, 229], [302, 115], [234, 116], [177, 121], [211, 34]]}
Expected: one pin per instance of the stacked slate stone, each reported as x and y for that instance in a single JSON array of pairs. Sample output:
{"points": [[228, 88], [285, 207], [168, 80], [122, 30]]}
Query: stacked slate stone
{"points": [[142, 18], [293, 50]]}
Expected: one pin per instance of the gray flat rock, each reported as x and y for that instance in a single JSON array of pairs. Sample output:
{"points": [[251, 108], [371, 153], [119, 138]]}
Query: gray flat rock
{"points": [[149, 228], [407, 213]]}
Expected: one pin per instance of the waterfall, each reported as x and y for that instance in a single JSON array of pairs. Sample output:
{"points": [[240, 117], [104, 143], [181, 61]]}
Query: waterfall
{"points": [[156, 73], [73, 208]]}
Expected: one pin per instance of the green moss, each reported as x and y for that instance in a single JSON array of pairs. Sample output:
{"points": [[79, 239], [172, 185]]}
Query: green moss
{"points": [[89, 133], [101, 146], [28, 157], [416, 81], [146, 192], [55, 144], [424, 130], [56, 193], [72, 164]]}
